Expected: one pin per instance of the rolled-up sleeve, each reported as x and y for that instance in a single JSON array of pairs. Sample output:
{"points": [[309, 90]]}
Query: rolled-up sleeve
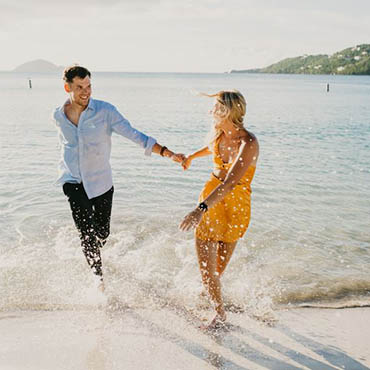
{"points": [[121, 126]]}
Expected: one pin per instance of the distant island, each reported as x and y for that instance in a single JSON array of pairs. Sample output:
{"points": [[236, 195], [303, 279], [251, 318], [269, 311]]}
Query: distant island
{"points": [[39, 66], [350, 61]]}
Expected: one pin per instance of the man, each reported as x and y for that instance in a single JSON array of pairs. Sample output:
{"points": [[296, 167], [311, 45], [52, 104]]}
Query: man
{"points": [[85, 126]]}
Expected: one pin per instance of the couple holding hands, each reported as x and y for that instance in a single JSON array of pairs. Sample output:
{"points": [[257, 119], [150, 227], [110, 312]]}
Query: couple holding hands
{"points": [[220, 219]]}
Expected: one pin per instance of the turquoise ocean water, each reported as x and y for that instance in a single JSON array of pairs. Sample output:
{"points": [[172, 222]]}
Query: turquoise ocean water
{"points": [[309, 239]]}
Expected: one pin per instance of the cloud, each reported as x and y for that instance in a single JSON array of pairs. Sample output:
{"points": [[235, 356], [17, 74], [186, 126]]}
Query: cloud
{"points": [[11, 11], [199, 35]]}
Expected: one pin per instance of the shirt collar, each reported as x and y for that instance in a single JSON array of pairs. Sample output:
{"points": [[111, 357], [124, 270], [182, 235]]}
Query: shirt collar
{"points": [[91, 104]]}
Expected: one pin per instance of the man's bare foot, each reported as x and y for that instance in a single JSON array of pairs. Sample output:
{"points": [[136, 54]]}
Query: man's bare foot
{"points": [[101, 287]]}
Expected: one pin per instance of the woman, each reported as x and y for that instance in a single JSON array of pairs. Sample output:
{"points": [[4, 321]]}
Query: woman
{"points": [[223, 213]]}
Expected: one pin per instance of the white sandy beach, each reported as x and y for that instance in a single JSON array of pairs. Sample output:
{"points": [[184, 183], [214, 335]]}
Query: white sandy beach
{"points": [[103, 339]]}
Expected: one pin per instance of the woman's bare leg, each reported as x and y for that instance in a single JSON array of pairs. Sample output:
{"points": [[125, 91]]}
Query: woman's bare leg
{"points": [[224, 253], [207, 258]]}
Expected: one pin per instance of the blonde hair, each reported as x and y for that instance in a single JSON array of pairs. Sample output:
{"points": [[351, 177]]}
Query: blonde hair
{"points": [[232, 107]]}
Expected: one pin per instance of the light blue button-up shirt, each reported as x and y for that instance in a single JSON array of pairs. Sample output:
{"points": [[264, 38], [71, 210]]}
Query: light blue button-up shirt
{"points": [[86, 148]]}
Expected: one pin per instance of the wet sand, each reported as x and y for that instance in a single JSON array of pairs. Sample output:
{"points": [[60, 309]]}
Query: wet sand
{"points": [[106, 339]]}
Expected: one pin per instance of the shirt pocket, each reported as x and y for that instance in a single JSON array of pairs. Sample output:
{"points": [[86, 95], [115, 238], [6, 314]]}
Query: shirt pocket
{"points": [[95, 131]]}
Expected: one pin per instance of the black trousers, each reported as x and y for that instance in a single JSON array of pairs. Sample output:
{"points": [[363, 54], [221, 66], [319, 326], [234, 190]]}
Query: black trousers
{"points": [[92, 220]]}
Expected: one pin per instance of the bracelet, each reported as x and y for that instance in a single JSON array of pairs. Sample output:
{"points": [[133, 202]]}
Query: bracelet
{"points": [[203, 207], [161, 153]]}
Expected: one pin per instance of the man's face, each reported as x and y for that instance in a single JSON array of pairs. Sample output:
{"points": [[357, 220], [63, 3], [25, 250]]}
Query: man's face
{"points": [[79, 90]]}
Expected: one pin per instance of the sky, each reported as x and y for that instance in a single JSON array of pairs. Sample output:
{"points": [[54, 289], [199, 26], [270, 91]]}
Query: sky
{"points": [[177, 35]]}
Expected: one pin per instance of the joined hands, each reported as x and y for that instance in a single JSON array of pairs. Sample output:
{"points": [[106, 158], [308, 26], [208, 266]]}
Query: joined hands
{"points": [[182, 159], [178, 157], [186, 162]]}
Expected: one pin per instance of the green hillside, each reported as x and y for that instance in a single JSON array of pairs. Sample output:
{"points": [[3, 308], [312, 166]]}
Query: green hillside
{"points": [[351, 61]]}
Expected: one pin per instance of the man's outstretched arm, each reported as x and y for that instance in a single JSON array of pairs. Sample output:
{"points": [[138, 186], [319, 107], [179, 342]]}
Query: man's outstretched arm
{"points": [[165, 152], [122, 126]]}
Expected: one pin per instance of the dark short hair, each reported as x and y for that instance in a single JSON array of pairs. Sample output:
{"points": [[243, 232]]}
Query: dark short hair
{"points": [[75, 71]]}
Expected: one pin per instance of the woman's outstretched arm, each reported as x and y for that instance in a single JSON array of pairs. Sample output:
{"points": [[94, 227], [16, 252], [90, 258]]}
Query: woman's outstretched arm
{"points": [[199, 153]]}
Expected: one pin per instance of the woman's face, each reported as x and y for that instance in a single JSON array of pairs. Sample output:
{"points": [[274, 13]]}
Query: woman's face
{"points": [[219, 113]]}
